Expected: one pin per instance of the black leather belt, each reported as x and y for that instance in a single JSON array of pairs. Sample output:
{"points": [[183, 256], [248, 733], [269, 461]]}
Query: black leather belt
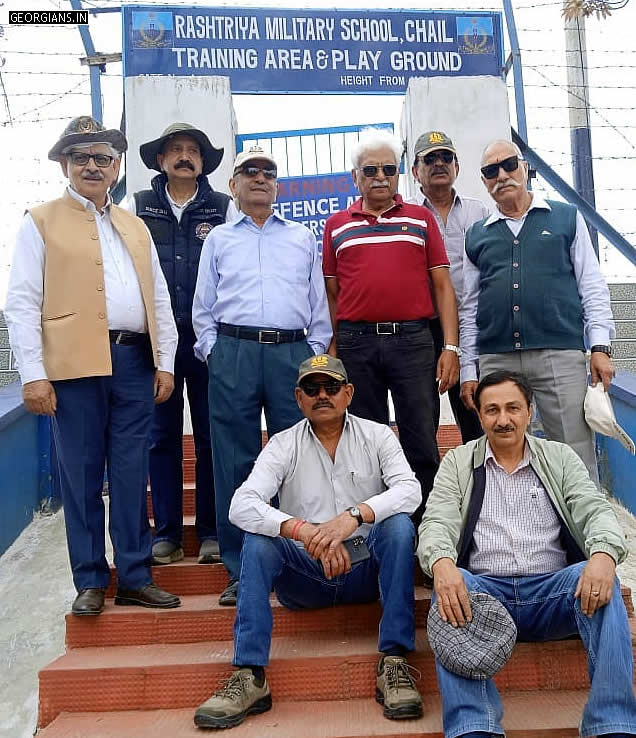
{"points": [[127, 338], [384, 329], [262, 335]]}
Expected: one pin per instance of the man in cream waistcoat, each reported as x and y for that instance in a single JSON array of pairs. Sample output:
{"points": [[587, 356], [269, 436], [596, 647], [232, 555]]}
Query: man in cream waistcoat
{"points": [[91, 327]]}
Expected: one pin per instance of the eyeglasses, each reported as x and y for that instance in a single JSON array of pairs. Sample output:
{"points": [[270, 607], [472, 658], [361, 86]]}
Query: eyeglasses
{"points": [[446, 156], [389, 170], [253, 172], [490, 171], [312, 389], [81, 157]]}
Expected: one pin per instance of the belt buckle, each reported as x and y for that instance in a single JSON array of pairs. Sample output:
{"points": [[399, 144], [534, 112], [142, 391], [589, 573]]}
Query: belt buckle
{"points": [[392, 331], [275, 333]]}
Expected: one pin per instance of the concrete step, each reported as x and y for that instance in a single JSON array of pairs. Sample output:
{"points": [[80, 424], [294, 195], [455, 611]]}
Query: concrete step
{"points": [[551, 715], [624, 310], [313, 667], [186, 577], [626, 365], [625, 291], [201, 618], [625, 329], [624, 348]]}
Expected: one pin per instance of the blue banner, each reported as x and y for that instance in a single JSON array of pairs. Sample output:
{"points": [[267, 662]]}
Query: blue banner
{"points": [[311, 199], [267, 50]]}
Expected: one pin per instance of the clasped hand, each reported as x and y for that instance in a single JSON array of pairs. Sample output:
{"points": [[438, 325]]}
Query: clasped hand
{"points": [[323, 542]]}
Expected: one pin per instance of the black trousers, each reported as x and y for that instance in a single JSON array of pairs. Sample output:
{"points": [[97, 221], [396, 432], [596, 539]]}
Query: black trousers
{"points": [[402, 363], [467, 420]]}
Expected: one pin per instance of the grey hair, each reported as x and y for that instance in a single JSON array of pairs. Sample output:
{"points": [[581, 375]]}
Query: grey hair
{"points": [[497, 143], [376, 138], [78, 147]]}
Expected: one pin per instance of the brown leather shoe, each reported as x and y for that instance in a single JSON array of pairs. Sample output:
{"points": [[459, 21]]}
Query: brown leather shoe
{"points": [[148, 596], [89, 602]]}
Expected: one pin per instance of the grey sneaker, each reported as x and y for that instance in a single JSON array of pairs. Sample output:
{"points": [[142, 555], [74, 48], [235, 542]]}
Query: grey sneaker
{"points": [[234, 701], [395, 689], [209, 552], [166, 552]]}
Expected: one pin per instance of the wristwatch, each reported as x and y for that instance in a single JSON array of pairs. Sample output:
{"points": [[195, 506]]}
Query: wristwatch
{"points": [[602, 348], [450, 347], [355, 513]]}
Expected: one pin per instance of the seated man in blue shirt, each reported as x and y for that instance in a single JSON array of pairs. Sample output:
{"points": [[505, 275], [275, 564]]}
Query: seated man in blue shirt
{"points": [[337, 476], [259, 310]]}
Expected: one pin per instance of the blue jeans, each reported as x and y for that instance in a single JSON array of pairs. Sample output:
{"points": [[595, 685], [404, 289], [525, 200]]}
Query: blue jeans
{"points": [[543, 608], [298, 580]]}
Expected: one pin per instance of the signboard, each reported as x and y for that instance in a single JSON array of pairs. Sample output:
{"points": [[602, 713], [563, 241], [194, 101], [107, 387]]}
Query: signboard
{"points": [[311, 199], [267, 50]]}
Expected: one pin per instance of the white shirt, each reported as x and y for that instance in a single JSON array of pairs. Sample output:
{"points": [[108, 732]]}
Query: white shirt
{"points": [[369, 467], [518, 531], [124, 303], [177, 210], [598, 323]]}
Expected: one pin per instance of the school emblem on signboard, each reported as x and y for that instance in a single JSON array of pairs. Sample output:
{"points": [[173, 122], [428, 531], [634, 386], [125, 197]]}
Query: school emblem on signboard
{"points": [[152, 30], [475, 35], [202, 230]]}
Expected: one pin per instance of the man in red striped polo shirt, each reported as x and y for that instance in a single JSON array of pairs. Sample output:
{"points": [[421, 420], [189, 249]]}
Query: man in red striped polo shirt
{"points": [[377, 258]]}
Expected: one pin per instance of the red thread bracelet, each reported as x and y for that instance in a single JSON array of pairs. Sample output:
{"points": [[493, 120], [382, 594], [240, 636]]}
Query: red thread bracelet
{"points": [[297, 527]]}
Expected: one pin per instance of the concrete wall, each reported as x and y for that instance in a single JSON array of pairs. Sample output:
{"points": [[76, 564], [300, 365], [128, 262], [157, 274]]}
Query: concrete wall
{"points": [[618, 466], [154, 102], [8, 371], [473, 111]]}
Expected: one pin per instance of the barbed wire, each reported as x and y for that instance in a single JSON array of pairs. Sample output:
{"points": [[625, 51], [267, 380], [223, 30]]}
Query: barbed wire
{"points": [[50, 102]]}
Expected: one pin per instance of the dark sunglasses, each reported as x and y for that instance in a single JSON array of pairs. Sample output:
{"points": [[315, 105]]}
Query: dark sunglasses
{"points": [[81, 157], [312, 389], [389, 170], [490, 171], [446, 156], [253, 172]]}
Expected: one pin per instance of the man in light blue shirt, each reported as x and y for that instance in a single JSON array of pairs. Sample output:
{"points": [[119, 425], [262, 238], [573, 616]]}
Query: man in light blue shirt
{"points": [[259, 310]]}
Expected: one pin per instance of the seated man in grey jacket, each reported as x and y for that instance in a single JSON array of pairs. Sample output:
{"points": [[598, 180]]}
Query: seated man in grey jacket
{"points": [[519, 518]]}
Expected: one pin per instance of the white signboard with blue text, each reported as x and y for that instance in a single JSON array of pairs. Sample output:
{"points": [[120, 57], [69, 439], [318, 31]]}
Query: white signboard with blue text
{"points": [[266, 50]]}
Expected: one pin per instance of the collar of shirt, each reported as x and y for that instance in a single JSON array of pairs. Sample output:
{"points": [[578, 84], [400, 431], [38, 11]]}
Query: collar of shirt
{"points": [[89, 204], [344, 427], [525, 461], [244, 216], [357, 209], [538, 202], [423, 199], [185, 204]]}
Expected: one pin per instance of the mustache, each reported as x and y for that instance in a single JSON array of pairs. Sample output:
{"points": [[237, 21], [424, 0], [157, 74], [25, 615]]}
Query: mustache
{"points": [[97, 176], [505, 183], [321, 403], [184, 164], [504, 429], [440, 170]]}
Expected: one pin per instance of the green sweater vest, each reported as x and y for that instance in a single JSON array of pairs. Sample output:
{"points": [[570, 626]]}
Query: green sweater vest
{"points": [[528, 296]]}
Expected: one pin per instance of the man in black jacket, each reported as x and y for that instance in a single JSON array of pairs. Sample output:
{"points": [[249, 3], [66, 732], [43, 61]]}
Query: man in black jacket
{"points": [[180, 210]]}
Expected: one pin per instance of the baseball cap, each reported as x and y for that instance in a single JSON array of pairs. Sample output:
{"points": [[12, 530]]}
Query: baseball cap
{"points": [[479, 649], [433, 141], [322, 364], [254, 152], [599, 415]]}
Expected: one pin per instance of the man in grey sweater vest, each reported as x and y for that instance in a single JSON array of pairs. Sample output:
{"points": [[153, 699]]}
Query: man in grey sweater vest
{"points": [[534, 300]]}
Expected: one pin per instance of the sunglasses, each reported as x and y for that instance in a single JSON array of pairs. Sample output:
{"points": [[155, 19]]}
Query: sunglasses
{"points": [[446, 156], [389, 170], [253, 172], [81, 157], [312, 389], [490, 171]]}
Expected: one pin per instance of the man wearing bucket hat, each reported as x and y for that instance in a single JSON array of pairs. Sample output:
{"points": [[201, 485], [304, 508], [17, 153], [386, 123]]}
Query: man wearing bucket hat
{"points": [[180, 210], [435, 169], [259, 309], [92, 329], [518, 518], [341, 534]]}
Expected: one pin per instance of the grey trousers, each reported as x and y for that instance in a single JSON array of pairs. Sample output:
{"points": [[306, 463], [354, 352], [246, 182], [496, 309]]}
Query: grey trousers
{"points": [[558, 378]]}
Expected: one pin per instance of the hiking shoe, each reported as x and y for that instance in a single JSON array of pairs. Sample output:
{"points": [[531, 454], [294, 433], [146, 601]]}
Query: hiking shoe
{"points": [[230, 594], [209, 552], [239, 697], [395, 689], [166, 552]]}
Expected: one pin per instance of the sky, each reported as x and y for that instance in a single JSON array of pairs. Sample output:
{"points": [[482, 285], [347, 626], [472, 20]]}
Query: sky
{"points": [[44, 85]]}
